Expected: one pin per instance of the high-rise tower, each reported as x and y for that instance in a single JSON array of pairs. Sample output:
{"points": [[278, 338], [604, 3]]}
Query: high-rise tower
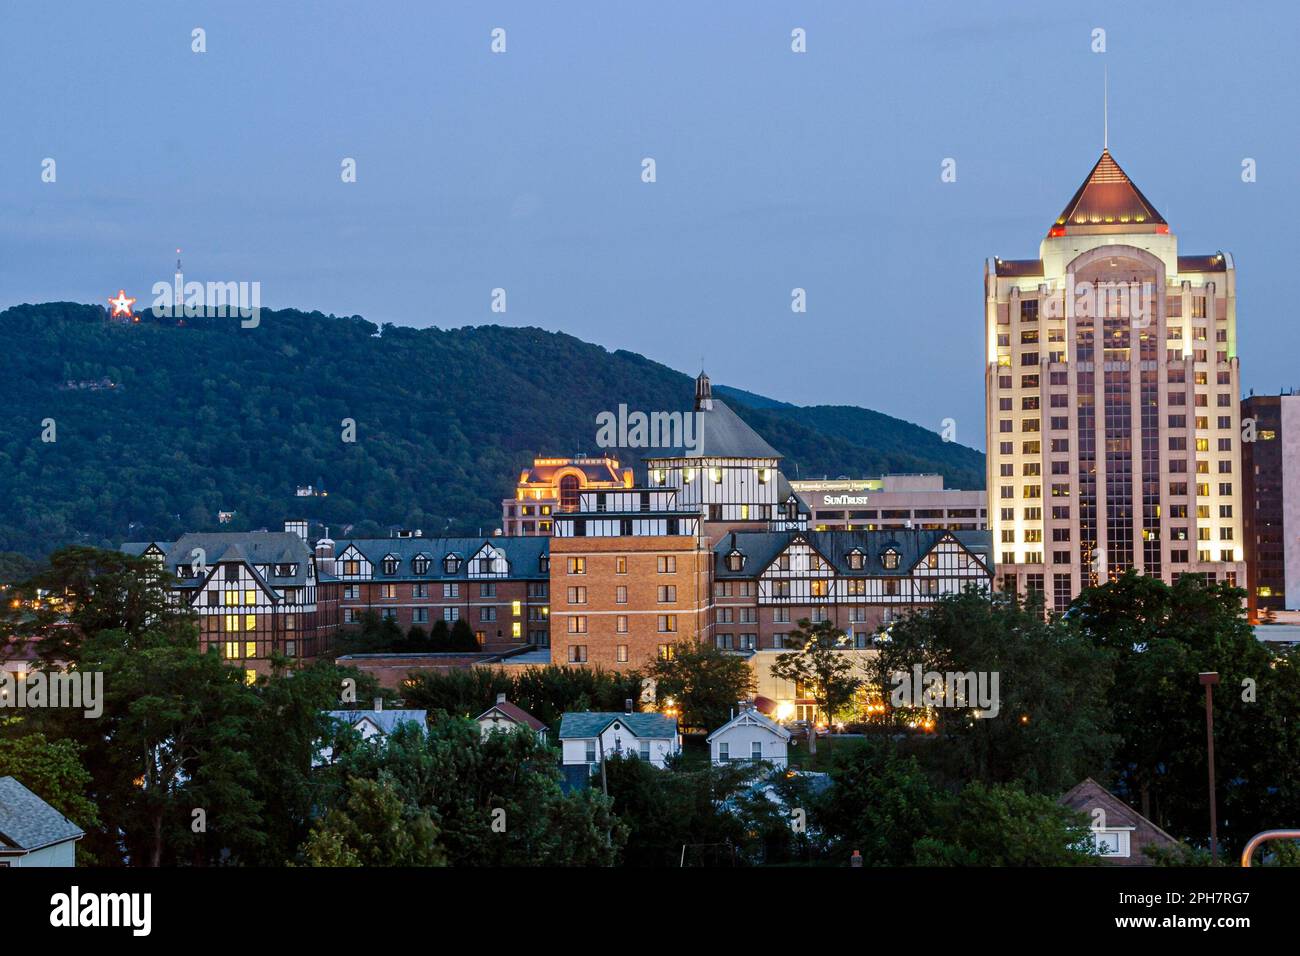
{"points": [[1112, 417]]}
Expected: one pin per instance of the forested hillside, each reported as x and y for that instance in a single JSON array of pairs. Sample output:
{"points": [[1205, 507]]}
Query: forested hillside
{"points": [[156, 426]]}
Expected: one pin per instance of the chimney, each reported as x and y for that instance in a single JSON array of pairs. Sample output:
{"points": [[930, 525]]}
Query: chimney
{"points": [[627, 705], [501, 698], [379, 703]]}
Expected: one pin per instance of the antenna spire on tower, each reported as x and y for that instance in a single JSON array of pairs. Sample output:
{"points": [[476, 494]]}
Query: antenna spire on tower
{"points": [[1105, 109]]}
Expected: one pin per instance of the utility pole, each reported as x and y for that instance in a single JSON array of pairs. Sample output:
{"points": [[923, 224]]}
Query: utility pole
{"points": [[1209, 679]]}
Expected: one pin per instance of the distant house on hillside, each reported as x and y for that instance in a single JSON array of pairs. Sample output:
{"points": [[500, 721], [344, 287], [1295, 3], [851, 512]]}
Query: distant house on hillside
{"points": [[1120, 833], [33, 833], [505, 716], [750, 736]]}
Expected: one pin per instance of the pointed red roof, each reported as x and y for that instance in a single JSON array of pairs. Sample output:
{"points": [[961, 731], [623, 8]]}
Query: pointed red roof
{"points": [[1108, 198]]}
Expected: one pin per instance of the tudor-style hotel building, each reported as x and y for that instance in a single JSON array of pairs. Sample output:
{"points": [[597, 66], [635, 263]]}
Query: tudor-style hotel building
{"points": [[1112, 414], [716, 549]]}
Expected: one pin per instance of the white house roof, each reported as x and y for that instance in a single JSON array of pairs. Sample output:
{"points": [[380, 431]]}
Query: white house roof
{"points": [[385, 720], [751, 718]]}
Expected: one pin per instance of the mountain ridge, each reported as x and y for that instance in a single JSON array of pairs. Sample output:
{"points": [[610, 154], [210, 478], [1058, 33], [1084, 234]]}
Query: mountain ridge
{"points": [[157, 426]]}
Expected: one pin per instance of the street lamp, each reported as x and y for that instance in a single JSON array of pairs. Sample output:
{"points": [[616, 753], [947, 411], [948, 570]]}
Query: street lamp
{"points": [[1209, 679]]}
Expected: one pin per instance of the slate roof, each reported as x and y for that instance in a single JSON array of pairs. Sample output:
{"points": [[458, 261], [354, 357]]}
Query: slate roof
{"points": [[514, 712], [385, 720], [721, 433], [29, 823], [585, 724], [250, 547], [761, 719], [524, 554], [785, 491], [1107, 198], [761, 548]]}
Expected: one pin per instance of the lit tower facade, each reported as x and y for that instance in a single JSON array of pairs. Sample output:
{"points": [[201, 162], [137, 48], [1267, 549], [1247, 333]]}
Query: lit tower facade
{"points": [[1112, 387]]}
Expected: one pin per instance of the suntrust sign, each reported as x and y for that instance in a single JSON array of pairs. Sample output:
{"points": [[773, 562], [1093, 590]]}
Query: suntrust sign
{"points": [[832, 500]]}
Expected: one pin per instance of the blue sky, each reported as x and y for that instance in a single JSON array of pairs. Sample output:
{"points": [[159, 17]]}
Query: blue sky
{"points": [[522, 170]]}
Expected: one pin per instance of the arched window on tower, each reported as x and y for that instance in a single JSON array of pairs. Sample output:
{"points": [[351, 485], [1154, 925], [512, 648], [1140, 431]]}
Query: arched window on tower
{"points": [[569, 493]]}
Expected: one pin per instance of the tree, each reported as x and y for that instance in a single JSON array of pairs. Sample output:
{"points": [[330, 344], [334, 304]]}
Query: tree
{"points": [[880, 803], [462, 637], [819, 665], [417, 640], [1045, 720], [1004, 826], [496, 799], [375, 828], [52, 770], [1161, 637], [703, 682], [682, 806], [440, 637]]}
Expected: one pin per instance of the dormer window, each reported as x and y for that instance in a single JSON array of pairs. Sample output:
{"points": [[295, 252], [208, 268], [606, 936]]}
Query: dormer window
{"points": [[889, 558], [544, 564], [390, 564], [451, 564], [182, 570], [735, 561], [420, 564], [791, 508], [855, 560]]}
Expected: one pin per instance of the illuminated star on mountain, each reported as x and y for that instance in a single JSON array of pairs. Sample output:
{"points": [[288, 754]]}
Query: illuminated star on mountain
{"points": [[122, 304]]}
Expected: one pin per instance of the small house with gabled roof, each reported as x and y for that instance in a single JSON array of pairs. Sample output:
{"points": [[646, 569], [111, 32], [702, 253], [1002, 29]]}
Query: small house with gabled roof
{"points": [[1120, 834], [750, 736], [33, 833], [586, 738], [506, 717]]}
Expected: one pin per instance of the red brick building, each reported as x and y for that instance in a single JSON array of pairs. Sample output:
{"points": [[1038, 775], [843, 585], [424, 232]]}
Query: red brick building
{"points": [[630, 577], [499, 586]]}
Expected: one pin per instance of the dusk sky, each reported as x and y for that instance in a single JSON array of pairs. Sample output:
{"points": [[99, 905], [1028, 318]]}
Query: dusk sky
{"points": [[522, 170]]}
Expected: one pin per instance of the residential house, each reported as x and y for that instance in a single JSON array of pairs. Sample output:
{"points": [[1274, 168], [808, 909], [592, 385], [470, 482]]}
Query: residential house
{"points": [[33, 833], [750, 736], [1120, 833], [374, 724], [505, 716], [587, 738]]}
